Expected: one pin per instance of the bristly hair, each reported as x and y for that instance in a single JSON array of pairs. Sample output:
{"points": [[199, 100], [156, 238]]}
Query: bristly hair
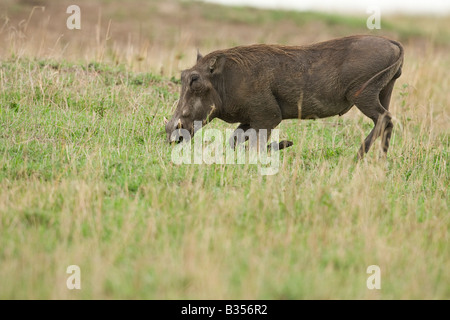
{"points": [[246, 56]]}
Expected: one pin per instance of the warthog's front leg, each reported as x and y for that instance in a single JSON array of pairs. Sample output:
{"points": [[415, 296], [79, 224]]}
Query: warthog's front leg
{"points": [[242, 134], [239, 135], [280, 145], [275, 146]]}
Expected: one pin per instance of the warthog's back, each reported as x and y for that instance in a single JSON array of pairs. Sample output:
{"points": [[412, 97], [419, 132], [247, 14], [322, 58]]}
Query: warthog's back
{"points": [[319, 79]]}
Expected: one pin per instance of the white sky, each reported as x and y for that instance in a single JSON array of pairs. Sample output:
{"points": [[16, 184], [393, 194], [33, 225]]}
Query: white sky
{"points": [[441, 7]]}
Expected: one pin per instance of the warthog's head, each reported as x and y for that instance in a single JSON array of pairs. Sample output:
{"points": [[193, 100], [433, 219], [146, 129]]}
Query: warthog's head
{"points": [[199, 100]]}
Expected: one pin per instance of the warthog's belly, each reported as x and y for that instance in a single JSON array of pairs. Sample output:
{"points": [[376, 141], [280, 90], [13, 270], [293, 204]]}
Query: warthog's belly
{"points": [[311, 108]]}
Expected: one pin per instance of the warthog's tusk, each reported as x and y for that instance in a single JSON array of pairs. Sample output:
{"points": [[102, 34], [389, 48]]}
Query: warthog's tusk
{"points": [[179, 125], [213, 107]]}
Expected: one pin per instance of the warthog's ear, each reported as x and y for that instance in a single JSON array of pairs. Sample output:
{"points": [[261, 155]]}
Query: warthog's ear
{"points": [[216, 64], [199, 55]]}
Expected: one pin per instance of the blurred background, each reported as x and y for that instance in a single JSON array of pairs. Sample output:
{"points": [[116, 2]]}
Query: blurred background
{"points": [[439, 7], [163, 36]]}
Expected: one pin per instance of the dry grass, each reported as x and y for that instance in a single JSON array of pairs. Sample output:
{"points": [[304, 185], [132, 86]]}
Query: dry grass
{"points": [[86, 176]]}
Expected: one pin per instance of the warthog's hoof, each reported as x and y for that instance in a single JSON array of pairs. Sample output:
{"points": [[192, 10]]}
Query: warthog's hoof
{"points": [[281, 145]]}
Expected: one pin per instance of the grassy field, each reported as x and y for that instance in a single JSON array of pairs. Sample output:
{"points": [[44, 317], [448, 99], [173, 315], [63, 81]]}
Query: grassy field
{"points": [[86, 176]]}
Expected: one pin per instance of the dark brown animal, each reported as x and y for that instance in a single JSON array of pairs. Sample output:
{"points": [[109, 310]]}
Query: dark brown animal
{"points": [[260, 85]]}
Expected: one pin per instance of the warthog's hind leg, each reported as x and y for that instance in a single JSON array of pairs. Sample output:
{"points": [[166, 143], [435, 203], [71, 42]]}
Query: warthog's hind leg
{"points": [[375, 105], [385, 98], [382, 125]]}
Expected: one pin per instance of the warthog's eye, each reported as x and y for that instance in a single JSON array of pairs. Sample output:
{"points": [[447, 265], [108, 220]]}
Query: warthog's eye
{"points": [[194, 78], [195, 82]]}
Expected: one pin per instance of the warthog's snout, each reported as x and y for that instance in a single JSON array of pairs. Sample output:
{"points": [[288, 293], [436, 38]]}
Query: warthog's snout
{"points": [[177, 131]]}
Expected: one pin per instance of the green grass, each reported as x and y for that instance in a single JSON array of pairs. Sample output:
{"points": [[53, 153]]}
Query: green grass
{"points": [[86, 178]]}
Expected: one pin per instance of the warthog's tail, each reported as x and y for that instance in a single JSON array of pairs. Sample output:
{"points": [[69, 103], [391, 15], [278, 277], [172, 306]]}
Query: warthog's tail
{"points": [[384, 76]]}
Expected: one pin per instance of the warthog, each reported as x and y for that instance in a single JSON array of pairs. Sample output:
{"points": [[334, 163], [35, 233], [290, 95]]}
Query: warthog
{"points": [[260, 85]]}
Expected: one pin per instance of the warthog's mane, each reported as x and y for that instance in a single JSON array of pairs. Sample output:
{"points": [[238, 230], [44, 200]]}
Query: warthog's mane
{"points": [[245, 56]]}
